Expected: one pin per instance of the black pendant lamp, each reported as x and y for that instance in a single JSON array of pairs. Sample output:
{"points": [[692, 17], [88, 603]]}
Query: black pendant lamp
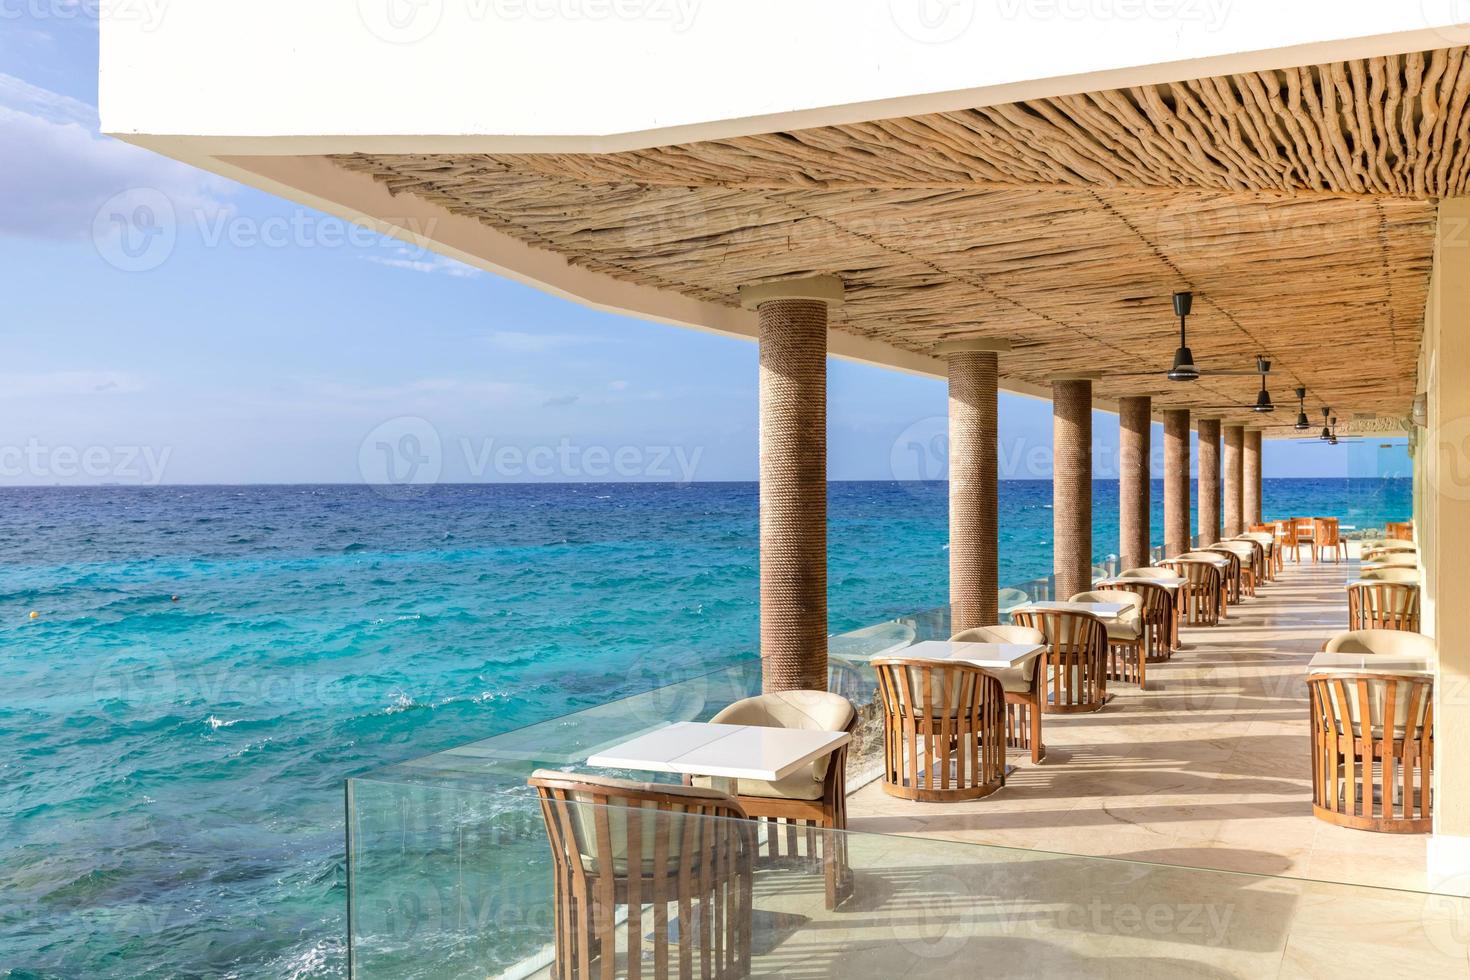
{"points": [[1183, 368]]}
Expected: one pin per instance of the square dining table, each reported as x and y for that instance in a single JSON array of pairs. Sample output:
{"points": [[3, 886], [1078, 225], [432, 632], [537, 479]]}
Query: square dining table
{"points": [[725, 753], [987, 656], [1373, 663], [1105, 611]]}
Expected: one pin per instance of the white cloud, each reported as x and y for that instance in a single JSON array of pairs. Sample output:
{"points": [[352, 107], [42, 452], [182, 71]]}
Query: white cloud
{"points": [[56, 171], [525, 342], [419, 260]]}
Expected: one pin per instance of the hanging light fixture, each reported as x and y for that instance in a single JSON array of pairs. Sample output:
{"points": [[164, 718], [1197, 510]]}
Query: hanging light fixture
{"points": [[1326, 435], [1332, 435], [1302, 422], [1263, 400], [1183, 368]]}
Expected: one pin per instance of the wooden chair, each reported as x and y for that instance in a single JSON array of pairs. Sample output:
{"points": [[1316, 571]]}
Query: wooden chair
{"points": [[812, 799], [1327, 540], [1245, 554], [617, 844], [1286, 539], [1400, 530], [1022, 692], [1266, 534], [1200, 597], [943, 730], [1160, 624], [1372, 750], [1229, 575], [1260, 545], [1376, 605], [1076, 677], [1127, 651]]}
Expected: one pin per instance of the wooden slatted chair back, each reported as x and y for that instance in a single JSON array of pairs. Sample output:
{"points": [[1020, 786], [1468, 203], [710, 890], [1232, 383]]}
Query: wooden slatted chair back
{"points": [[616, 845], [1372, 750], [1076, 677], [1378, 605], [943, 731]]}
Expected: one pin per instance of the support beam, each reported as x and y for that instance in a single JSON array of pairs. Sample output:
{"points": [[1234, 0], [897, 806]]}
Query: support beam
{"points": [[793, 473], [1176, 481], [1209, 481], [973, 471], [1252, 467], [1135, 425], [1442, 531], [1071, 486], [1234, 480]]}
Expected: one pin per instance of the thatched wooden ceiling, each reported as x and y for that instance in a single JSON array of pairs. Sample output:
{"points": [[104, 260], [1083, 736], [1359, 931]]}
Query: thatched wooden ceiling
{"points": [[1299, 205]]}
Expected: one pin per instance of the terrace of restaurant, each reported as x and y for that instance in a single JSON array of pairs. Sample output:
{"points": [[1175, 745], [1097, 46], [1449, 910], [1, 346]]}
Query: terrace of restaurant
{"points": [[1219, 242]]}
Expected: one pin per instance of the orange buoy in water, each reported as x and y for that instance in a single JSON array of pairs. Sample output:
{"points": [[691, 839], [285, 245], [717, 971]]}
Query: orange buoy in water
{"points": [[35, 615]]}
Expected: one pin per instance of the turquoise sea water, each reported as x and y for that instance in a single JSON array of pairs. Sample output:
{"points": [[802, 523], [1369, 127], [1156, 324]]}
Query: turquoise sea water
{"points": [[208, 664]]}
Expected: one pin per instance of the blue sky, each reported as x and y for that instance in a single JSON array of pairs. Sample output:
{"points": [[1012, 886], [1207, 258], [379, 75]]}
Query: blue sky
{"points": [[274, 344]]}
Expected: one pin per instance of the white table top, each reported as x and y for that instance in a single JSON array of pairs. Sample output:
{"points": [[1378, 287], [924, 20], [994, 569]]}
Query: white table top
{"points": [[1170, 582], [728, 751], [991, 656], [1102, 610], [1377, 581], [1373, 663]]}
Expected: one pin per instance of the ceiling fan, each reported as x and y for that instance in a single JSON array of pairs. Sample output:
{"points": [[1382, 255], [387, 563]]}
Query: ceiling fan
{"points": [[1302, 422], [1329, 430], [1183, 367], [1263, 403]]}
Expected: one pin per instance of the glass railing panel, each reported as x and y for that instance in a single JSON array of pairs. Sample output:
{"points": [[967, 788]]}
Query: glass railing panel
{"points": [[451, 882]]}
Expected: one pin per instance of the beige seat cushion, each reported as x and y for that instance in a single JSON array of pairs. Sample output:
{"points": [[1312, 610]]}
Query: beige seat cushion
{"points": [[806, 710], [1391, 574], [1394, 643], [1129, 624], [1013, 680], [1398, 559]]}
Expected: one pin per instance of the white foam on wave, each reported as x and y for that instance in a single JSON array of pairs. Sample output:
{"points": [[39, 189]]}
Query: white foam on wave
{"points": [[218, 723]]}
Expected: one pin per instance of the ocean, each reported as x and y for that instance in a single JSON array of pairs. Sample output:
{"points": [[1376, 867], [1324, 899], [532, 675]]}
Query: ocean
{"points": [[206, 665]]}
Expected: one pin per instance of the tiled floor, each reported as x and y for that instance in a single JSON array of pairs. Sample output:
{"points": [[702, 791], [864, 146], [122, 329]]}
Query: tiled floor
{"points": [[1207, 769]]}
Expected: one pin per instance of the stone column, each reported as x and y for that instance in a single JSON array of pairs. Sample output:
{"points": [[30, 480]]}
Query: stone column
{"points": [[1135, 424], [1234, 480], [1176, 481], [1071, 486], [973, 471], [1209, 481], [1252, 469], [792, 316]]}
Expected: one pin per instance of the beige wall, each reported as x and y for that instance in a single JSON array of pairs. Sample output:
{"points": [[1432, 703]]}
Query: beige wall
{"points": [[1442, 498]]}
